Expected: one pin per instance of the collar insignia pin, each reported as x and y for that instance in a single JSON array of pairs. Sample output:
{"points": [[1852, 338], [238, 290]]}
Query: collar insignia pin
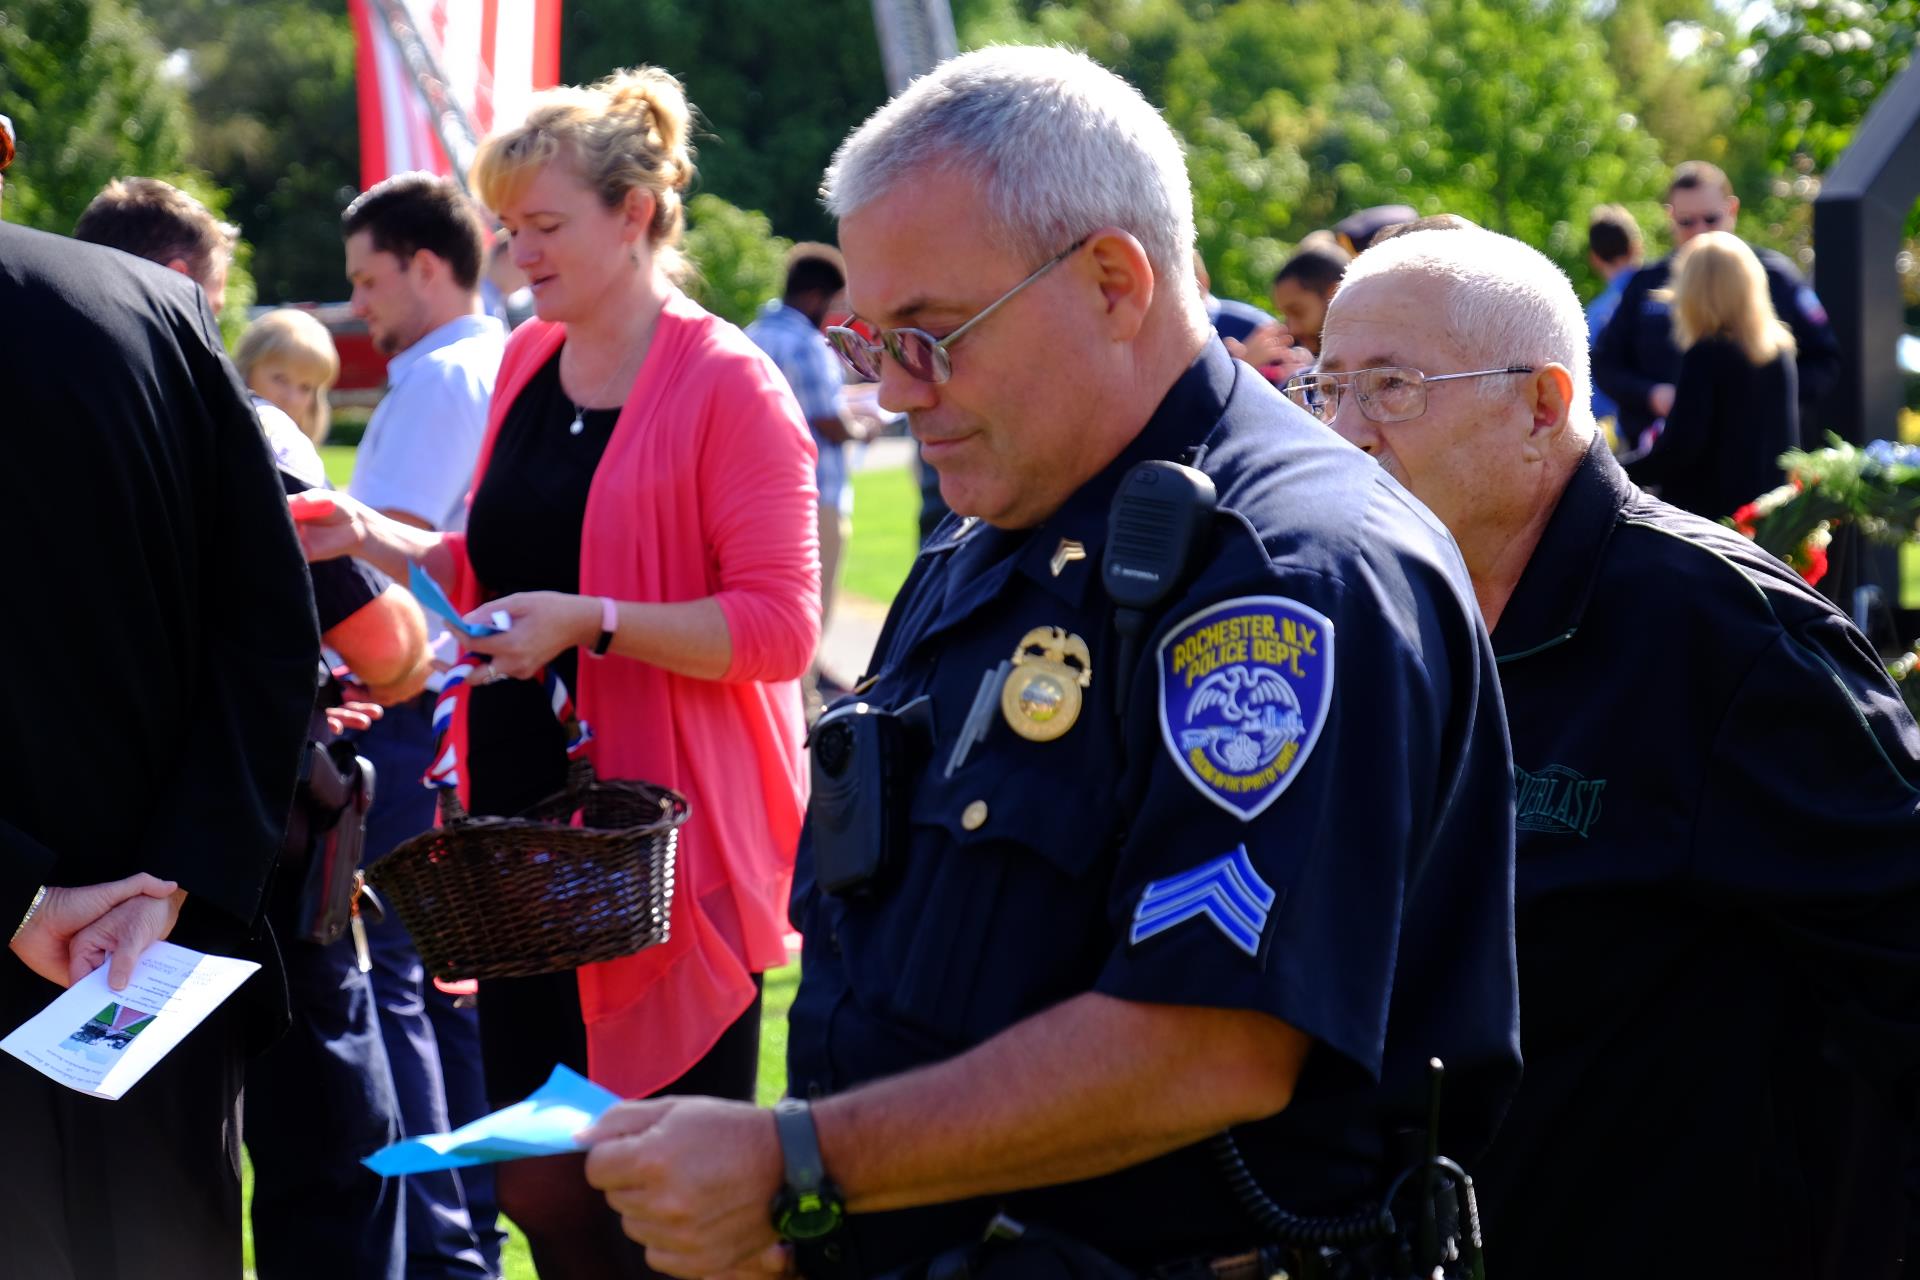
{"points": [[1065, 554], [1041, 695]]}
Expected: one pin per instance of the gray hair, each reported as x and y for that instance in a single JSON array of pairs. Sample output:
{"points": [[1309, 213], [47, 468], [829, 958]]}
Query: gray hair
{"points": [[1507, 303], [1060, 144]]}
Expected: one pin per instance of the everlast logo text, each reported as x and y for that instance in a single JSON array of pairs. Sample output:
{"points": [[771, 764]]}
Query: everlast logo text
{"points": [[1557, 800]]}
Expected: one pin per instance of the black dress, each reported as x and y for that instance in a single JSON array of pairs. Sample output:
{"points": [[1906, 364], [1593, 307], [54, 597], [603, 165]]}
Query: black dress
{"points": [[1730, 423], [523, 534]]}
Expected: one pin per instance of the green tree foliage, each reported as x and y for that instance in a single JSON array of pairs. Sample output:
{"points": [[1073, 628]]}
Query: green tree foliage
{"points": [[1818, 66], [777, 85], [1296, 112], [738, 262], [275, 121], [91, 99]]}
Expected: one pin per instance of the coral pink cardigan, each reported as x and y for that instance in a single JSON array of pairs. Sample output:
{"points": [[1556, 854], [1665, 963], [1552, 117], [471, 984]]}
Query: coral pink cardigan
{"points": [[706, 489]]}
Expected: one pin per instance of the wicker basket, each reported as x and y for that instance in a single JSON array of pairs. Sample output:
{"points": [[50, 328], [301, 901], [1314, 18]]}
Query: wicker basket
{"points": [[488, 897]]}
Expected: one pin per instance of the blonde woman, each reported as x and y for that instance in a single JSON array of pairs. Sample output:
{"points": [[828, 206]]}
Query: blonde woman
{"points": [[1736, 404], [644, 509], [287, 357]]}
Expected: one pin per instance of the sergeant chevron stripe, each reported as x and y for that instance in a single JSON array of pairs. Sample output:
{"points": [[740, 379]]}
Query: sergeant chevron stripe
{"points": [[1227, 891]]}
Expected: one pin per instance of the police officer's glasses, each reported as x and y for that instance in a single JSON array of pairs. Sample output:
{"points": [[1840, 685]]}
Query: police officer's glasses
{"points": [[921, 354], [1387, 394]]}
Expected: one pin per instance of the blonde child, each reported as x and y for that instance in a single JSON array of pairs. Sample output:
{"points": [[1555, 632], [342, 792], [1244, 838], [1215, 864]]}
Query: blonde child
{"points": [[287, 357]]}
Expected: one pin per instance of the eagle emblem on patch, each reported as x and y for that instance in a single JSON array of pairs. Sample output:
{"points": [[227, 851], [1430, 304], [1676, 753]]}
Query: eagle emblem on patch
{"points": [[1244, 690]]}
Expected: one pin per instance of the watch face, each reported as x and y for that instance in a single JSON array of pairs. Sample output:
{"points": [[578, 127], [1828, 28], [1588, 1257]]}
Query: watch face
{"points": [[808, 1217]]}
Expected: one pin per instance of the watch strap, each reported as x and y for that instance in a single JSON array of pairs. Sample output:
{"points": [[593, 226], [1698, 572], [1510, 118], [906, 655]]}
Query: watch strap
{"points": [[799, 1146]]}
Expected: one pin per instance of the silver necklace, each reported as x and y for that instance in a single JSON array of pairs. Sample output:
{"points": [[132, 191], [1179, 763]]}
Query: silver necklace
{"points": [[579, 423]]}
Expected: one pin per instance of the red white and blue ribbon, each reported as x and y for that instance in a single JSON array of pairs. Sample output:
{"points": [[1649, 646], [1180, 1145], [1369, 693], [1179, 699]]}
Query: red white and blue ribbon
{"points": [[444, 772]]}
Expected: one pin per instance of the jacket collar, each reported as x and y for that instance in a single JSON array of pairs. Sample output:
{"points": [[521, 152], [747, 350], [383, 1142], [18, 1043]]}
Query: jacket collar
{"points": [[1185, 418], [1551, 598], [985, 557]]}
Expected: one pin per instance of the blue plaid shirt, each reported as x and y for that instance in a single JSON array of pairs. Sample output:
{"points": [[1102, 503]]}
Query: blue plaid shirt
{"points": [[802, 353]]}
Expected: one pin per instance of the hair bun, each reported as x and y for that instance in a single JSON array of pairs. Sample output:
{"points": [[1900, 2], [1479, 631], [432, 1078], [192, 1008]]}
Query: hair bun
{"points": [[656, 97]]}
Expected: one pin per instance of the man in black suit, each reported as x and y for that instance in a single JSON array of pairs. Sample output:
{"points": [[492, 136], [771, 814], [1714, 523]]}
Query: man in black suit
{"points": [[160, 646], [1635, 360]]}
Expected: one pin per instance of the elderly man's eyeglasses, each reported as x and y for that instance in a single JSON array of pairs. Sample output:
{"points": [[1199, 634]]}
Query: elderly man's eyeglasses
{"points": [[1387, 394], [921, 354]]}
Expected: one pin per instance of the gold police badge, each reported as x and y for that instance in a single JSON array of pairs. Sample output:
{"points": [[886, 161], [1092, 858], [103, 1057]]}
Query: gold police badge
{"points": [[1041, 695]]}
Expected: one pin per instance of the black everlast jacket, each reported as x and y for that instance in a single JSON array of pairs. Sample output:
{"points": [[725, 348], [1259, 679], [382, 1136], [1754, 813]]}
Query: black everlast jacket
{"points": [[1717, 905], [1636, 351]]}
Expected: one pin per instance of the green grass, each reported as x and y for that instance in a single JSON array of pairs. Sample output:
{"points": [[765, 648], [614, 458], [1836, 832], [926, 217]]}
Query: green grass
{"points": [[516, 1262], [339, 461], [886, 533]]}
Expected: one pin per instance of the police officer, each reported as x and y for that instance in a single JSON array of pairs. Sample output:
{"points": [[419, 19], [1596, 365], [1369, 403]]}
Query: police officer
{"points": [[1718, 802], [1133, 875], [1635, 360]]}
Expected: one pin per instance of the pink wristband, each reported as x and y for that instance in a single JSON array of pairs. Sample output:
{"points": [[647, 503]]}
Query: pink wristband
{"points": [[609, 623]]}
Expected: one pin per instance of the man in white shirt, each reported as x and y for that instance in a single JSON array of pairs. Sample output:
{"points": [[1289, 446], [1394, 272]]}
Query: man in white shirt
{"points": [[415, 246], [414, 251]]}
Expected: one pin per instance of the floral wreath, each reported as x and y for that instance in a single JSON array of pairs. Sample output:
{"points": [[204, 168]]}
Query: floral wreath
{"points": [[1874, 487]]}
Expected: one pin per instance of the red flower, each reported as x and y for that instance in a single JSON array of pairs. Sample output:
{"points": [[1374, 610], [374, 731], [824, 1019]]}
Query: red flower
{"points": [[1816, 566], [1747, 519]]}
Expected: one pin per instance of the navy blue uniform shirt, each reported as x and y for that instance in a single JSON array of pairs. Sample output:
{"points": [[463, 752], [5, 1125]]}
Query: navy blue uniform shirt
{"points": [[1636, 351], [1718, 907], [1306, 811]]}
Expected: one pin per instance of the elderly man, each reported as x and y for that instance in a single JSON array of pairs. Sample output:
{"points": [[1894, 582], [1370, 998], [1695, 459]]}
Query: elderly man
{"points": [[1232, 859], [1718, 802]]}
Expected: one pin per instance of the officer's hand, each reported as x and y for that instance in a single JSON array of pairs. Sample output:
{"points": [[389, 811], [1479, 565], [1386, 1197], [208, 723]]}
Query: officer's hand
{"points": [[44, 946], [123, 933], [544, 624], [693, 1179], [1660, 399]]}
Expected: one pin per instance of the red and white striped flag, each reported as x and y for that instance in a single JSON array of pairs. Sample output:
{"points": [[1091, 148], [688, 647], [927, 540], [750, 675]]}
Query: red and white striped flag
{"points": [[492, 54]]}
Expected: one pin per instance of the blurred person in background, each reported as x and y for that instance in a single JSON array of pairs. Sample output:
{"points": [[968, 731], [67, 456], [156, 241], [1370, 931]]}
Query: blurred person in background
{"points": [[1614, 252], [1355, 232], [414, 248], [1250, 333], [1635, 358], [316, 1211], [644, 512], [287, 358], [789, 330], [1735, 407], [1304, 285]]}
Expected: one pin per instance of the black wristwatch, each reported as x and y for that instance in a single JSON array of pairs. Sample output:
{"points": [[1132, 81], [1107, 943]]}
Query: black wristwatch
{"points": [[809, 1205]]}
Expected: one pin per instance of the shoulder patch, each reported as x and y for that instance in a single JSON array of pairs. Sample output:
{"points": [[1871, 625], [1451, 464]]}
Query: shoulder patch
{"points": [[1244, 690], [1809, 303]]}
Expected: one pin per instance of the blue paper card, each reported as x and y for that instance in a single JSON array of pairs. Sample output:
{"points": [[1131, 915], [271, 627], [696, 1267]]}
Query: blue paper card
{"points": [[431, 597], [543, 1125]]}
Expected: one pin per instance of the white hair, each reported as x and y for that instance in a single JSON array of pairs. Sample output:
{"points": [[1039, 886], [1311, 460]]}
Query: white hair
{"points": [[1506, 302], [1059, 144]]}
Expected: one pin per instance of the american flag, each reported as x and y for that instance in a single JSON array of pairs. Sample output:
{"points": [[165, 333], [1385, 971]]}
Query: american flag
{"points": [[488, 58]]}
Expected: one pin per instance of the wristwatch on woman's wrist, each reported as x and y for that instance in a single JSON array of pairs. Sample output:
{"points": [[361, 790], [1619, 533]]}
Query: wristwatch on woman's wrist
{"points": [[609, 623], [809, 1205]]}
